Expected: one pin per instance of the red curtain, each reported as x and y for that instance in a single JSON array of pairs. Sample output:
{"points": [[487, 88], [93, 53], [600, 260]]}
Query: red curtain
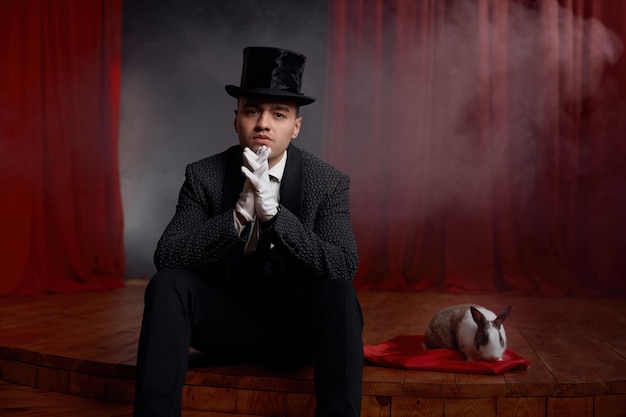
{"points": [[61, 216], [485, 141]]}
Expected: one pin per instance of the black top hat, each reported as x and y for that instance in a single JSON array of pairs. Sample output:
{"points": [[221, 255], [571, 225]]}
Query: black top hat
{"points": [[272, 73]]}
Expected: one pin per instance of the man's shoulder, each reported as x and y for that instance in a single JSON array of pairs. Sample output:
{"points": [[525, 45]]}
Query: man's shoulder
{"points": [[314, 163], [215, 160]]}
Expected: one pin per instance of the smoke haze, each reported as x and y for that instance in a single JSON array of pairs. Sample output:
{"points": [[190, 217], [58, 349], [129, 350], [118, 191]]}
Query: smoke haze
{"points": [[178, 55], [177, 58], [481, 84]]}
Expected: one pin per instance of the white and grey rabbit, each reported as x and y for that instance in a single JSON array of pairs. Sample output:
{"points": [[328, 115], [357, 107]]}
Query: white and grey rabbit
{"points": [[473, 330]]}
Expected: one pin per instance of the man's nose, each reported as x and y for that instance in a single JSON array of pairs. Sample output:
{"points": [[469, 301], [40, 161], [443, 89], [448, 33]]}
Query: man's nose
{"points": [[262, 122]]}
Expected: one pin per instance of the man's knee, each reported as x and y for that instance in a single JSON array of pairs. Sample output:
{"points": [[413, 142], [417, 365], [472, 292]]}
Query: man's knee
{"points": [[335, 296], [161, 283], [334, 290], [168, 283]]}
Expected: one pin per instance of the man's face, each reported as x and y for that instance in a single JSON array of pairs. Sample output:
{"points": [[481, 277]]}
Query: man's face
{"points": [[273, 123]]}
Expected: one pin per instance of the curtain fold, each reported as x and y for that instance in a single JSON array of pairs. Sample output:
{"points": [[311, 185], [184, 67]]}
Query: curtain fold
{"points": [[61, 215], [484, 143]]}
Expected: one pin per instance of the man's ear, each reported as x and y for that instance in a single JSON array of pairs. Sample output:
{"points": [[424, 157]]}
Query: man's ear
{"points": [[296, 128], [235, 121]]}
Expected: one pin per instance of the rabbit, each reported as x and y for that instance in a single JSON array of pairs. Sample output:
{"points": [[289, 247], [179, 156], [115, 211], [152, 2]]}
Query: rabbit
{"points": [[473, 330]]}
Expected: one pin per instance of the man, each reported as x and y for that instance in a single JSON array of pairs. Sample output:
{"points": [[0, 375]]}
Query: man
{"points": [[257, 263]]}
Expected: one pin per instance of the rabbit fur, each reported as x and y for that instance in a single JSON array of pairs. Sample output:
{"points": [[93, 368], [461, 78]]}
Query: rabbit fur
{"points": [[475, 331]]}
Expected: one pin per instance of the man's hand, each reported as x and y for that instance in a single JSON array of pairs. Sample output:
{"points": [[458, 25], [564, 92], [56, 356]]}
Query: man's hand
{"points": [[244, 208], [256, 170]]}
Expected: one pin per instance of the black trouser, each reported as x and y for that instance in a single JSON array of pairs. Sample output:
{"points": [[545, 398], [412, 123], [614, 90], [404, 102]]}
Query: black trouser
{"points": [[322, 323]]}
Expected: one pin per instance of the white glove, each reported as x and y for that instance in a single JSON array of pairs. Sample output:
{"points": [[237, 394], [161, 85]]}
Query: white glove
{"points": [[254, 161], [256, 170], [244, 208]]}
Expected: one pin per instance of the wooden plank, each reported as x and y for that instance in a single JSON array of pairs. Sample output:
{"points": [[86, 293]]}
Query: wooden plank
{"points": [[609, 406], [86, 385], [570, 407], [522, 407], [71, 364], [417, 407], [301, 405], [209, 399], [18, 372], [119, 390], [262, 403], [375, 406], [534, 381], [478, 386], [604, 343], [429, 384], [575, 372], [50, 379], [21, 401], [481, 407], [597, 318], [383, 381], [389, 314], [253, 377]]}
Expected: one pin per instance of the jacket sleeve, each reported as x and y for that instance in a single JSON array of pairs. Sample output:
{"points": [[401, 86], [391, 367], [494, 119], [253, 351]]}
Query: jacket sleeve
{"points": [[328, 249], [198, 233]]}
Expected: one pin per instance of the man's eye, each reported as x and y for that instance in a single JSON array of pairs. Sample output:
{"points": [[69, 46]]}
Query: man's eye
{"points": [[280, 115]]}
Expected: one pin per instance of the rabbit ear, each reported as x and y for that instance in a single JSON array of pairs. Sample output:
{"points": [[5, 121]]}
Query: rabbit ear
{"points": [[479, 318], [500, 319]]}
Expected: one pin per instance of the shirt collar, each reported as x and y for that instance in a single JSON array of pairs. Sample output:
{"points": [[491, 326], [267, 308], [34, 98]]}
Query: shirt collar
{"points": [[278, 170]]}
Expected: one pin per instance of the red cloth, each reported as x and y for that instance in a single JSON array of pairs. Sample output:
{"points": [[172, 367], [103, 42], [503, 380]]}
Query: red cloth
{"points": [[406, 352]]}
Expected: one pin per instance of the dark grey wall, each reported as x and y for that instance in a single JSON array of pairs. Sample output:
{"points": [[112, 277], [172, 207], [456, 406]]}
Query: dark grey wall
{"points": [[177, 57]]}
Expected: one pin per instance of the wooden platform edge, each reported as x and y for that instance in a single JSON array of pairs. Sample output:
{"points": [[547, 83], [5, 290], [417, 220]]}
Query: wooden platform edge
{"points": [[62, 374], [589, 382], [258, 395]]}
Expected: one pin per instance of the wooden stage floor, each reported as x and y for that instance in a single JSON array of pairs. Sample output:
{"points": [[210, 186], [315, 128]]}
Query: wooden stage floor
{"points": [[84, 345]]}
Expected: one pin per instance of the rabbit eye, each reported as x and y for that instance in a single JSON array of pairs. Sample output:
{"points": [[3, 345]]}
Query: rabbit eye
{"points": [[484, 339]]}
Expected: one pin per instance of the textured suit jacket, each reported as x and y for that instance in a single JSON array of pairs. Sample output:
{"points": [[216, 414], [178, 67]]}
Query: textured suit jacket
{"points": [[312, 233]]}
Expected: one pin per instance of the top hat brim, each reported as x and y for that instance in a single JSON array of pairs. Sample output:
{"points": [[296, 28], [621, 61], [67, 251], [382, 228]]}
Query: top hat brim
{"points": [[270, 93]]}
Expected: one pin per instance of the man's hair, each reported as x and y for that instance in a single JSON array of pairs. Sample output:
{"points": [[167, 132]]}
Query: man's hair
{"points": [[296, 105]]}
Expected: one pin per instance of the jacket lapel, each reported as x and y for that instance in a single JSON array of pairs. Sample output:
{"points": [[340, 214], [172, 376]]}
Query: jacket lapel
{"points": [[233, 178], [291, 184]]}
